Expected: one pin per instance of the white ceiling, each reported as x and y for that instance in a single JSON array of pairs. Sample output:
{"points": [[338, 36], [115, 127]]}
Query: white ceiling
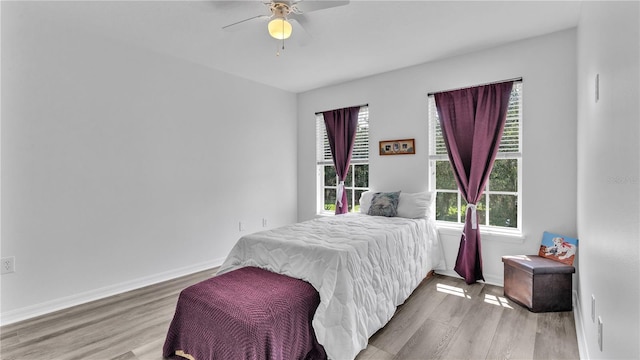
{"points": [[342, 43]]}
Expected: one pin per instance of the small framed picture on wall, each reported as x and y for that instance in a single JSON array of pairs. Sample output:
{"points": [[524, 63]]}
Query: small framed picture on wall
{"points": [[397, 147]]}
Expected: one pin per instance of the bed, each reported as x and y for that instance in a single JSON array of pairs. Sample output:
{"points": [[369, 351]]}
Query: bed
{"points": [[362, 267]]}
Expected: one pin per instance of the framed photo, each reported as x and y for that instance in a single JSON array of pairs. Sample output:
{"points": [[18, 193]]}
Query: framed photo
{"points": [[397, 147], [558, 247]]}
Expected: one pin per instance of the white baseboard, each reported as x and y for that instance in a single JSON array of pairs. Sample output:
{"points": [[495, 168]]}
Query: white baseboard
{"points": [[491, 280], [47, 307], [580, 334]]}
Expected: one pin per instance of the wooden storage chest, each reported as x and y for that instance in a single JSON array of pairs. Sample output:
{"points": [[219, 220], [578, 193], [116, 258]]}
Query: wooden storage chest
{"points": [[538, 283]]}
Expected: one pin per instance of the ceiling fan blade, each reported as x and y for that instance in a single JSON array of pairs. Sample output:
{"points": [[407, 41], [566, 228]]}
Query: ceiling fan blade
{"points": [[245, 20], [220, 5], [299, 33], [299, 17], [307, 6]]}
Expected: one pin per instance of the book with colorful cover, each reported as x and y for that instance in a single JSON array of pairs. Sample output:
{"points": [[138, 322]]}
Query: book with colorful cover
{"points": [[558, 247]]}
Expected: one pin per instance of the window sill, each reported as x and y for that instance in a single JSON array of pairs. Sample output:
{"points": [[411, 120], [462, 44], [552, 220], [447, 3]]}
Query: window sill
{"points": [[509, 236], [331, 213], [325, 213]]}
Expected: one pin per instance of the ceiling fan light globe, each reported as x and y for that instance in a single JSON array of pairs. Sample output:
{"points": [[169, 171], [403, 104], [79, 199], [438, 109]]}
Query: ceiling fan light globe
{"points": [[279, 29]]}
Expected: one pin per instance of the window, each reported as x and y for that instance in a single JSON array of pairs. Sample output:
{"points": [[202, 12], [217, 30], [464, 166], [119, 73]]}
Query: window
{"points": [[357, 180], [500, 205]]}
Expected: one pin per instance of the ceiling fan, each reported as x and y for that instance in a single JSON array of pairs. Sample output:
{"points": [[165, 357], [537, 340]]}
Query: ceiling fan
{"points": [[282, 13]]}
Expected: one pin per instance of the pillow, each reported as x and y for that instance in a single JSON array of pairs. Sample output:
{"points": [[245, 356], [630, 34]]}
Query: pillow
{"points": [[415, 205], [365, 201], [384, 204]]}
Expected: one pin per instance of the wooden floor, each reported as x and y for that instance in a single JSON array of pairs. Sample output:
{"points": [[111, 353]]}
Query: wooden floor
{"points": [[443, 319]]}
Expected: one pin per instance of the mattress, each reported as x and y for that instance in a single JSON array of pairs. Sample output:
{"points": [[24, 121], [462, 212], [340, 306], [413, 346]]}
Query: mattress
{"points": [[362, 266]]}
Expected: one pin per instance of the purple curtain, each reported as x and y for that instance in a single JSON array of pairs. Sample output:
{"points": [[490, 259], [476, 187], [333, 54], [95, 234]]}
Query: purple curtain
{"points": [[341, 127], [472, 122]]}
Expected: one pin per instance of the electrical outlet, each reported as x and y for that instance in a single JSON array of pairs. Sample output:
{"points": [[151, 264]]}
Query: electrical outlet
{"points": [[593, 308], [241, 226], [264, 222], [8, 265], [600, 332], [597, 87]]}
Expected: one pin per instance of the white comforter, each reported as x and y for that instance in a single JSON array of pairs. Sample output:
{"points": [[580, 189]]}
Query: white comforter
{"points": [[362, 266]]}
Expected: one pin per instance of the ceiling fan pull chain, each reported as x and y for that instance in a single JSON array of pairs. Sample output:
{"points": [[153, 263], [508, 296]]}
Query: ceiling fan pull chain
{"points": [[283, 33], [278, 50]]}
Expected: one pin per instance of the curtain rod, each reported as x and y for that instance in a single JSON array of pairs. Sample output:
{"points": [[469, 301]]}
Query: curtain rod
{"points": [[320, 112], [468, 87]]}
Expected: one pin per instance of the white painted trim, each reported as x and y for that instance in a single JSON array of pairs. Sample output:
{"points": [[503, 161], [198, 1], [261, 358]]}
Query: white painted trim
{"points": [[449, 273], [47, 307], [487, 233], [583, 350], [491, 280]]}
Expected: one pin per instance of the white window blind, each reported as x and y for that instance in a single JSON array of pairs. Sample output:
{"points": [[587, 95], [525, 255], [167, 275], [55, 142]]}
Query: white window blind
{"points": [[511, 140]]}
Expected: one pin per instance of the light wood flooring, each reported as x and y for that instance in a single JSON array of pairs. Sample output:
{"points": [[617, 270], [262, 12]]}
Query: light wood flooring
{"points": [[443, 319]]}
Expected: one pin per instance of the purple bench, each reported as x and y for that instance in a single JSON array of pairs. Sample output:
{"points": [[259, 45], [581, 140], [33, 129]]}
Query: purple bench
{"points": [[248, 313]]}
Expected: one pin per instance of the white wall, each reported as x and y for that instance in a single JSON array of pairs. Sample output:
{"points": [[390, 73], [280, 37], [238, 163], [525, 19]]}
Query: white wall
{"points": [[398, 109], [609, 177], [122, 167]]}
